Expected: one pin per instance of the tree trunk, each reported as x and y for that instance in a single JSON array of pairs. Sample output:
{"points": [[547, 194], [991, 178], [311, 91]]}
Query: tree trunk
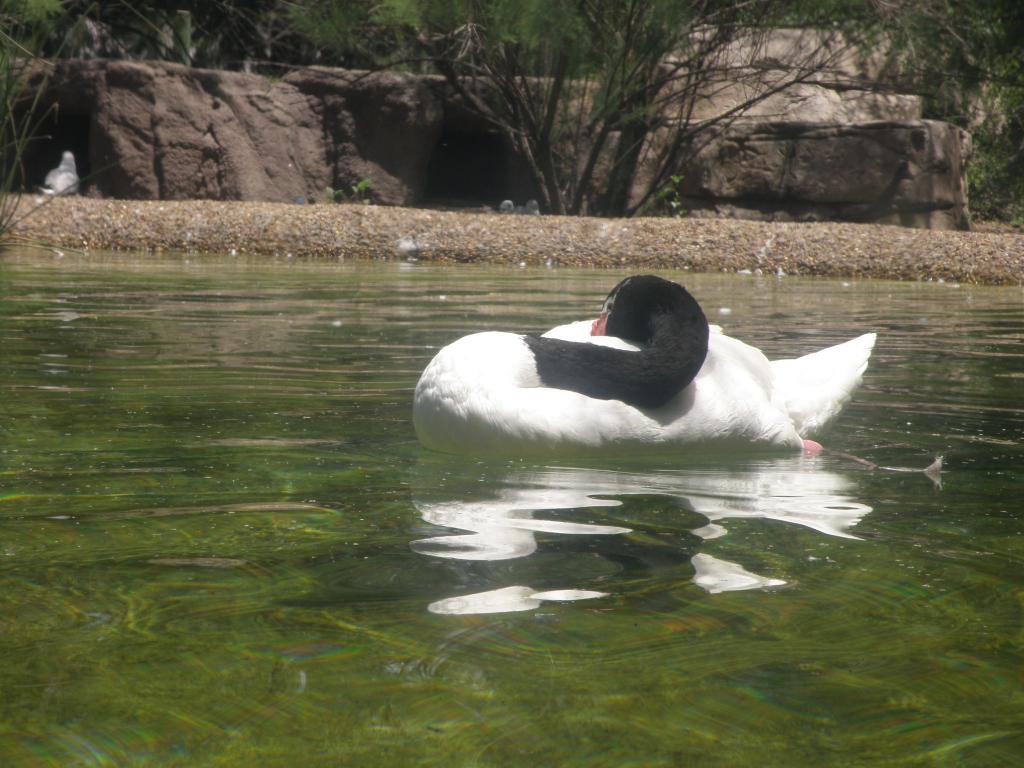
{"points": [[624, 167]]}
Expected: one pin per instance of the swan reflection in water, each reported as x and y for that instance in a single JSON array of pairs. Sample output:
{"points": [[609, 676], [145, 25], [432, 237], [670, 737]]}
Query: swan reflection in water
{"points": [[504, 528]]}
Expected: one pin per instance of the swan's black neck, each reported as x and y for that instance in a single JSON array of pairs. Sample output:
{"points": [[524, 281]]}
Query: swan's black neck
{"points": [[662, 318]]}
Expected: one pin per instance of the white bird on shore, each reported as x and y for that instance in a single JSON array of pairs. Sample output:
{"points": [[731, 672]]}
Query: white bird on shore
{"points": [[62, 180]]}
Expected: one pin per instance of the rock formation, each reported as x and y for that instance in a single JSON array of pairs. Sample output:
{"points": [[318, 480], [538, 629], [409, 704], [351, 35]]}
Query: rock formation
{"points": [[163, 131], [841, 145], [909, 173], [828, 148]]}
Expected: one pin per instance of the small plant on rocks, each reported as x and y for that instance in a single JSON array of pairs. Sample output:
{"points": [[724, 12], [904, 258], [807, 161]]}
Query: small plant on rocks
{"points": [[358, 193]]}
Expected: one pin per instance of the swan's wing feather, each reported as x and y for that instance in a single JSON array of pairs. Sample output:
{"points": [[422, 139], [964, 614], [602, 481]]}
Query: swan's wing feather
{"points": [[481, 394], [580, 331], [814, 388], [732, 400]]}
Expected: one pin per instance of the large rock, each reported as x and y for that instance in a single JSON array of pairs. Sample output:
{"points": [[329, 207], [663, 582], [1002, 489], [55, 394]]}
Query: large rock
{"points": [[383, 127], [909, 173], [163, 131], [827, 148], [810, 102], [806, 75], [814, 131]]}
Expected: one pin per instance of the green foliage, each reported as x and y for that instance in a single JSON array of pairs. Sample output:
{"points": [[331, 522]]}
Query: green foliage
{"points": [[223, 34], [20, 118], [996, 176], [673, 197], [361, 191], [29, 11], [354, 34], [357, 193], [966, 59], [668, 201]]}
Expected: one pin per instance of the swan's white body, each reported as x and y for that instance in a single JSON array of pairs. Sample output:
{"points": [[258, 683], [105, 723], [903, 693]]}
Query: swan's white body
{"points": [[481, 395]]}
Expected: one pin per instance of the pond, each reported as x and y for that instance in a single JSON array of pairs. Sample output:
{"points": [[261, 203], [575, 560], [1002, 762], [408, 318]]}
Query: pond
{"points": [[221, 544]]}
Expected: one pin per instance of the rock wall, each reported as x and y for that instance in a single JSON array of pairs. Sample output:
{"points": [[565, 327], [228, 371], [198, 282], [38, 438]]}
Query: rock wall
{"points": [[842, 145], [154, 130], [163, 131], [909, 173]]}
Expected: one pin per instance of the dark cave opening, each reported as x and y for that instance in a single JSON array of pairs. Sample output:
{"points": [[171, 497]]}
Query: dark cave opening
{"points": [[56, 132], [471, 168]]}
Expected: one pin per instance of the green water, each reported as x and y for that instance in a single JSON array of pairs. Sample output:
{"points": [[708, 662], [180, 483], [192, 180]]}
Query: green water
{"points": [[221, 545]]}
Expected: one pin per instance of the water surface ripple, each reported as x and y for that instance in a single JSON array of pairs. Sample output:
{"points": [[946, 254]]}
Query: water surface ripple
{"points": [[221, 544]]}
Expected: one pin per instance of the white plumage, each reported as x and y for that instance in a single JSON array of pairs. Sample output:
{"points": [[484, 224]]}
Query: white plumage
{"points": [[482, 395], [676, 383], [62, 180]]}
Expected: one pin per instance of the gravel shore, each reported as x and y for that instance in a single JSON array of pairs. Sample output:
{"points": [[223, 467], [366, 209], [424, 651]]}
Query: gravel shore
{"points": [[373, 232]]}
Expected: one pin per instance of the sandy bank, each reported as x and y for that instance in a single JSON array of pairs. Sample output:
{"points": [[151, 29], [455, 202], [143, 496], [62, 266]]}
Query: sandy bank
{"points": [[368, 232]]}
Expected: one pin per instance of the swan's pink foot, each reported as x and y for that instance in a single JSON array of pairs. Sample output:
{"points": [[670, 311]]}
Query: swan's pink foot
{"points": [[812, 448]]}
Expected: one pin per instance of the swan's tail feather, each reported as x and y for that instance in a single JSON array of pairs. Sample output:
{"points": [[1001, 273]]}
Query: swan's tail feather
{"points": [[814, 388]]}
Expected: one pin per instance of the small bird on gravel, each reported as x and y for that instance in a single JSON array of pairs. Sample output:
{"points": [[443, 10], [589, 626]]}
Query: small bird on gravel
{"points": [[62, 180]]}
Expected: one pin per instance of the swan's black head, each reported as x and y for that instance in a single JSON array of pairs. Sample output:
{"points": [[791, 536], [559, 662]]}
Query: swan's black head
{"points": [[661, 317], [642, 307]]}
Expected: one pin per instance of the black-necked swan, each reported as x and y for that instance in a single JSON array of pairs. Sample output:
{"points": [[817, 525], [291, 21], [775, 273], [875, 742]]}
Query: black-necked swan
{"points": [[648, 374]]}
